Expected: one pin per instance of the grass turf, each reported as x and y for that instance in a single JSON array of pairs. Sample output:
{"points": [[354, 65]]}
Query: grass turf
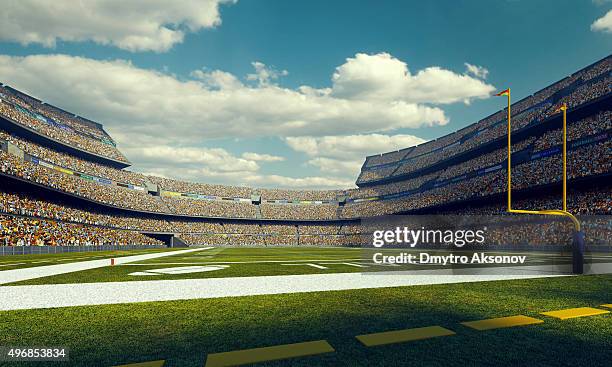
{"points": [[184, 332], [11, 262], [257, 262]]}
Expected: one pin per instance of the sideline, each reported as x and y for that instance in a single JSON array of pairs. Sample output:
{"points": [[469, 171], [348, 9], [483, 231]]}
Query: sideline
{"points": [[17, 275], [68, 295]]}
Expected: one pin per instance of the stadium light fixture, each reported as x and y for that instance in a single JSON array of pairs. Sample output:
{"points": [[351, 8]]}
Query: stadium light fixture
{"points": [[578, 238]]}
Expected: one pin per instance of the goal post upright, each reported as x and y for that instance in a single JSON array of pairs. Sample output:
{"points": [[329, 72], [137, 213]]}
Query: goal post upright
{"points": [[578, 237], [509, 155]]}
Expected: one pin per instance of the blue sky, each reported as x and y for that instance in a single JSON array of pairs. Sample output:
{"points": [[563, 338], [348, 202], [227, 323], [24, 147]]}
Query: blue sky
{"points": [[525, 45]]}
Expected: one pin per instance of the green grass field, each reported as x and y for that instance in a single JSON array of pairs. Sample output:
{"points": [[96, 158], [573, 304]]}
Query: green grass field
{"points": [[11, 262], [184, 332], [241, 262]]}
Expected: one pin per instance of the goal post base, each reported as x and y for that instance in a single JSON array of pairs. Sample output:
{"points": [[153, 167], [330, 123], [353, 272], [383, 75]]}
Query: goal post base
{"points": [[578, 252]]}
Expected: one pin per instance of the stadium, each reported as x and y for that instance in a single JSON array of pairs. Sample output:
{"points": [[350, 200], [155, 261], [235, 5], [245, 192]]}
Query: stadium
{"points": [[66, 193], [488, 245]]}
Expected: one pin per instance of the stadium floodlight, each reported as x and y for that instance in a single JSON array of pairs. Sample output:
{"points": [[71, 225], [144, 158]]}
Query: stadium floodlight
{"points": [[578, 238]]}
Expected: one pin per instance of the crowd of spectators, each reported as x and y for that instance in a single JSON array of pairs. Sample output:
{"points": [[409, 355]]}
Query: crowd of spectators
{"points": [[141, 200], [23, 231], [74, 163], [270, 240], [299, 211], [385, 158], [107, 194], [588, 160], [79, 124], [592, 83], [584, 93], [243, 191], [20, 204], [585, 161], [586, 127], [36, 221], [393, 187], [210, 208], [26, 115], [290, 195], [201, 188]]}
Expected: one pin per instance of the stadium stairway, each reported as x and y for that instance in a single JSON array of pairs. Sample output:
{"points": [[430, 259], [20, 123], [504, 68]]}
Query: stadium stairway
{"points": [[339, 211]]}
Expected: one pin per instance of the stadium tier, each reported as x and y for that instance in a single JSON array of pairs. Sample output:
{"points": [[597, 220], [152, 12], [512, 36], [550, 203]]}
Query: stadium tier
{"points": [[22, 113], [64, 181], [581, 88]]}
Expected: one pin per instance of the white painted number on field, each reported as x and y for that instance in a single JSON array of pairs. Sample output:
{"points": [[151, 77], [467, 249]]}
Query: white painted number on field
{"points": [[179, 270]]}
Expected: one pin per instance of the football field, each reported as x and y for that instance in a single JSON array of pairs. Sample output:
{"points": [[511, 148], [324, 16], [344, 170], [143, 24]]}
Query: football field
{"points": [[190, 332], [225, 262], [375, 326]]}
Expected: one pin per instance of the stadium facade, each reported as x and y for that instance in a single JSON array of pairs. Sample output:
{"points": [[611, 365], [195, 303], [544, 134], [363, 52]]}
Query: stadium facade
{"points": [[64, 181]]}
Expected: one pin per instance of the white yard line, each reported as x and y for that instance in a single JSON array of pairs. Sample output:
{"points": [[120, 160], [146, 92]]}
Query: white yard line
{"points": [[16, 275], [207, 262], [67, 295], [307, 264]]}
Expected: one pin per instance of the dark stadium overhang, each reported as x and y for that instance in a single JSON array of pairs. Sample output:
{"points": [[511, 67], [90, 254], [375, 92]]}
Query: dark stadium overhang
{"points": [[551, 123], [26, 132]]}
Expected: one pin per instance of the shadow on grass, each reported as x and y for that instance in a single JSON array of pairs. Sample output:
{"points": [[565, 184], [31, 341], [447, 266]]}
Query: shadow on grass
{"points": [[184, 332]]}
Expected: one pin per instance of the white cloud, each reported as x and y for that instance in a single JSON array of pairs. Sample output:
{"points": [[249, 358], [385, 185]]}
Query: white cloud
{"points": [[345, 154], [349, 145], [299, 183], [265, 75], [348, 167], [217, 79], [216, 165], [262, 157], [134, 25], [477, 71], [144, 108], [603, 24], [216, 159], [131, 101], [383, 77]]}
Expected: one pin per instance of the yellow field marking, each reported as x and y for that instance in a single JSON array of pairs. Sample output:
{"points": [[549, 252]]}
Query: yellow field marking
{"points": [[247, 356], [575, 312], [144, 364], [502, 322], [406, 335], [608, 305]]}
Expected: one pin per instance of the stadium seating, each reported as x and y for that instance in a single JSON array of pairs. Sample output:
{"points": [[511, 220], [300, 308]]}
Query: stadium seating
{"points": [[584, 86], [462, 171], [56, 124]]}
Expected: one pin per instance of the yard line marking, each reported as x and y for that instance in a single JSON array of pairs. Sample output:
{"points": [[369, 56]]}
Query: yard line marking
{"points": [[297, 262], [33, 272], [571, 313], [308, 264], [406, 335], [265, 354], [273, 261], [502, 322], [23, 297], [349, 264]]}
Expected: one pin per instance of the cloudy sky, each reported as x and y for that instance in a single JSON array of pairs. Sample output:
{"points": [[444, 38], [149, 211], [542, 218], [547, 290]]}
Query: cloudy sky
{"points": [[286, 93]]}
